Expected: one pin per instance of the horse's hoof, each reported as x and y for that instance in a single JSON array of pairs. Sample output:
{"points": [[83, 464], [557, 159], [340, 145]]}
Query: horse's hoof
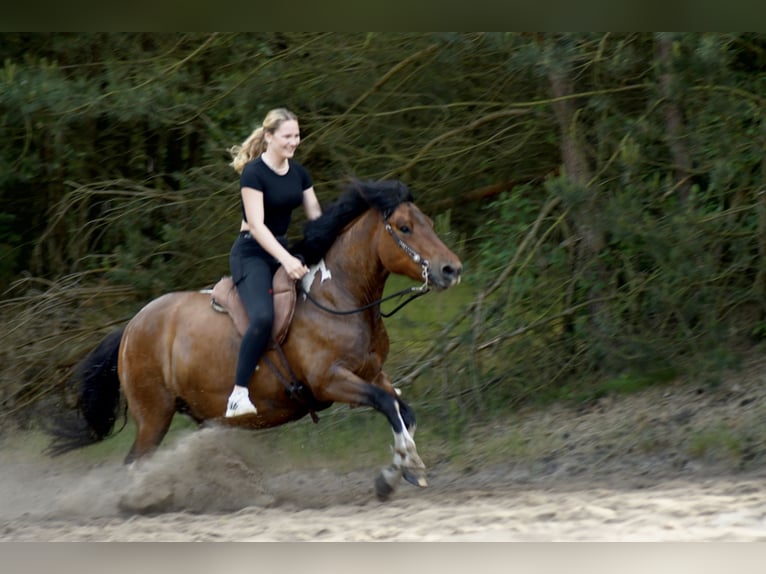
{"points": [[415, 476], [383, 490], [387, 481]]}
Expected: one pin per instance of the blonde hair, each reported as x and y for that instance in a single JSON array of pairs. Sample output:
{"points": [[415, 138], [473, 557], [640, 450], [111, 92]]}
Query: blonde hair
{"points": [[255, 144]]}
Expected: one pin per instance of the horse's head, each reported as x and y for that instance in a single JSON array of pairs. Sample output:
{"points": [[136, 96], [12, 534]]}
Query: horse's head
{"points": [[408, 245]]}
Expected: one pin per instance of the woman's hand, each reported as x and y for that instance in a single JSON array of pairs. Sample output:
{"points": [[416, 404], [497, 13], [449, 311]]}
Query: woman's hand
{"points": [[295, 268]]}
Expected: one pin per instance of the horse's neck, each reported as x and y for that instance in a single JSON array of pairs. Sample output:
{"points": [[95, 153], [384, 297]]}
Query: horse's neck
{"points": [[354, 261]]}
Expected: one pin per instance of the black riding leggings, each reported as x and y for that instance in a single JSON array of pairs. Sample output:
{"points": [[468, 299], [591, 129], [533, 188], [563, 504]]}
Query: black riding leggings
{"points": [[252, 270]]}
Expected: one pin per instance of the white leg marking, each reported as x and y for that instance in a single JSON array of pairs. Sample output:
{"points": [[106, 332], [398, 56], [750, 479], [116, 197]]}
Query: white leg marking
{"points": [[405, 452]]}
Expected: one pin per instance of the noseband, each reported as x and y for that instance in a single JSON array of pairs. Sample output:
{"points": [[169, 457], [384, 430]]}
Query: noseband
{"points": [[425, 266]]}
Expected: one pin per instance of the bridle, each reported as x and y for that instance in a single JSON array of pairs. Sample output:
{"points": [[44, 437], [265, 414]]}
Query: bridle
{"points": [[417, 291]]}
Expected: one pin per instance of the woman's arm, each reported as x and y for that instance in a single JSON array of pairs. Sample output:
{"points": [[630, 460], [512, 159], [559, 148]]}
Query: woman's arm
{"points": [[311, 203]]}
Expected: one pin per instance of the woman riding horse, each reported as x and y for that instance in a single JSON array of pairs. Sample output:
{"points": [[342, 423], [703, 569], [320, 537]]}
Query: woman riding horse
{"points": [[271, 186], [178, 355]]}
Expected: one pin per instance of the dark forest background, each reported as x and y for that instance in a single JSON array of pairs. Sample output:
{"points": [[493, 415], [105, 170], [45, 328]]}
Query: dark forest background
{"points": [[605, 191]]}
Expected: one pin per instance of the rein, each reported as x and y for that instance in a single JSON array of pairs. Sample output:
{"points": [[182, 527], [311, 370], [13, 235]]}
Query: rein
{"points": [[418, 291]]}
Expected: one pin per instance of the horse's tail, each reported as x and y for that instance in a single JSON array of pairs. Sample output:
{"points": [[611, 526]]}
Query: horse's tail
{"points": [[97, 403]]}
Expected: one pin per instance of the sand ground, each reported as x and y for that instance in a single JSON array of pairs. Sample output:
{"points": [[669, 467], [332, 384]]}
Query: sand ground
{"points": [[653, 466]]}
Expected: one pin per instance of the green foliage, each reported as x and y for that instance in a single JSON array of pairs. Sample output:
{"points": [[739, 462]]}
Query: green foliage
{"points": [[8, 251], [507, 219]]}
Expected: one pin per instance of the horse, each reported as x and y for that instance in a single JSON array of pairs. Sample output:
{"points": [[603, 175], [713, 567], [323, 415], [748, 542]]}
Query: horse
{"points": [[178, 355]]}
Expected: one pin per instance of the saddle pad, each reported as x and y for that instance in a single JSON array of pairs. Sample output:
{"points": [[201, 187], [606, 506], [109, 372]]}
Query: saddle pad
{"points": [[225, 296]]}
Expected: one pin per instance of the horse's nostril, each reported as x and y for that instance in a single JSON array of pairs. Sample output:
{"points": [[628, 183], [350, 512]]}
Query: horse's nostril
{"points": [[450, 271]]}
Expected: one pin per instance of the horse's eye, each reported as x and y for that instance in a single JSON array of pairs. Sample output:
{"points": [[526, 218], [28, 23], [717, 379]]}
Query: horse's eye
{"points": [[405, 228]]}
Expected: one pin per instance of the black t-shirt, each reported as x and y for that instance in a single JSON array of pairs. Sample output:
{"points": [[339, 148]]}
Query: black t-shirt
{"points": [[281, 193]]}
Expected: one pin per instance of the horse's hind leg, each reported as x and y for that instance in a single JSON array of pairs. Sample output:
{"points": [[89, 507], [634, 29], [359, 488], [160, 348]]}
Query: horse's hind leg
{"points": [[152, 411], [150, 430]]}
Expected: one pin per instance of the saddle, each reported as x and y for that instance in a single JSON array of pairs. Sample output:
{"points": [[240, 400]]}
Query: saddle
{"points": [[224, 298]]}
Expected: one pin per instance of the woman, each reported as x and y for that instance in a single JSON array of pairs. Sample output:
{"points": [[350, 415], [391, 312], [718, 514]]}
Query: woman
{"points": [[271, 186]]}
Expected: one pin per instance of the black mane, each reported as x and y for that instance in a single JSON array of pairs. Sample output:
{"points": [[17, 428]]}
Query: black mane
{"points": [[319, 234]]}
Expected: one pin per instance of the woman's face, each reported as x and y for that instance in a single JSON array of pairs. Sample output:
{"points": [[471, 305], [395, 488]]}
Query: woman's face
{"points": [[285, 139]]}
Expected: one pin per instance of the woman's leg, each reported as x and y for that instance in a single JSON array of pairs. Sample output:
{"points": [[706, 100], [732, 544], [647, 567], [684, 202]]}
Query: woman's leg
{"points": [[255, 290], [252, 272]]}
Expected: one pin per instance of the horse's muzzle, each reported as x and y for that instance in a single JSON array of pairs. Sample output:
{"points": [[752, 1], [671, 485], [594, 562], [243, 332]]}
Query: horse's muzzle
{"points": [[443, 275]]}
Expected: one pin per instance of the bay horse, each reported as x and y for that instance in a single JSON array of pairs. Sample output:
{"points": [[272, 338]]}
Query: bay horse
{"points": [[178, 355]]}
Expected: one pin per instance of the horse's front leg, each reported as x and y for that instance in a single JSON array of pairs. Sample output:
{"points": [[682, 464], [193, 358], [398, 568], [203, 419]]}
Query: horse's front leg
{"points": [[406, 463], [345, 386], [406, 413]]}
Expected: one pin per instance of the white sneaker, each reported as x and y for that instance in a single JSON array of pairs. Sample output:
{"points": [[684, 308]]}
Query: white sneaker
{"points": [[239, 403]]}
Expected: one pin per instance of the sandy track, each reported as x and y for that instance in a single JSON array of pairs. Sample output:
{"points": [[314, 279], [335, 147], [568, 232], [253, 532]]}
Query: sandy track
{"points": [[200, 491], [673, 463], [723, 510]]}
